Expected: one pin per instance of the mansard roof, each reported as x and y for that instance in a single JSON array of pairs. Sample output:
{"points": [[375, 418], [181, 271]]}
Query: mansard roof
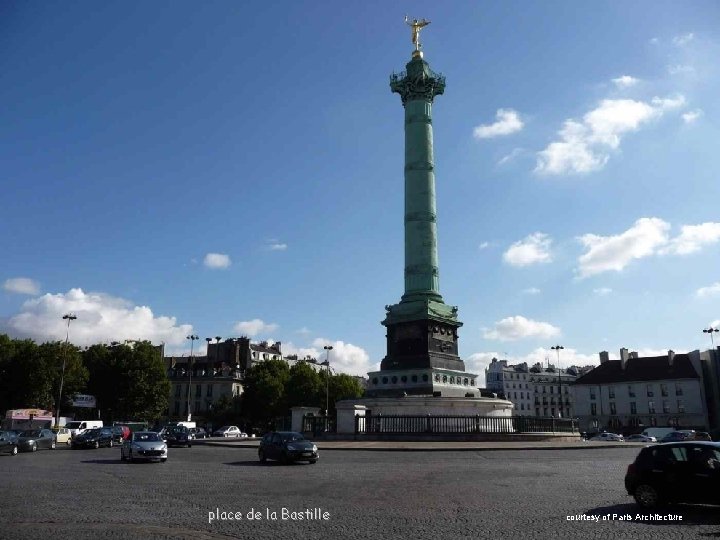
{"points": [[649, 368]]}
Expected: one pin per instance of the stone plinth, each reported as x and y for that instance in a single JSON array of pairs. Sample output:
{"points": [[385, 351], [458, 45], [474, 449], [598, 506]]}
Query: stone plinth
{"points": [[298, 413], [346, 413]]}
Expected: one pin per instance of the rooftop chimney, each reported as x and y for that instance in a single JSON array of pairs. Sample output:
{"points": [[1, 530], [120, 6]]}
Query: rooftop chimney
{"points": [[604, 357], [634, 354], [671, 357], [623, 357]]}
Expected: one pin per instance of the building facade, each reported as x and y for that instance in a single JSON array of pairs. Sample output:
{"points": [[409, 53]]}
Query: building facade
{"points": [[541, 391], [633, 393]]}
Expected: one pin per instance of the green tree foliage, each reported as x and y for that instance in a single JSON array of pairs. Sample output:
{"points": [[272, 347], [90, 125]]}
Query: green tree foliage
{"points": [[305, 387], [343, 386], [129, 382], [30, 374], [264, 397]]}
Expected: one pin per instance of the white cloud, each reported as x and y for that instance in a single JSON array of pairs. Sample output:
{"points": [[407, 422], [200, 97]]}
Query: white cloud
{"points": [[22, 285], [534, 249], [254, 327], [602, 291], [484, 245], [683, 40], [511, 156], [518, 327], [626, 81], [654, 41], [217, 261], [344, 357], [715, 324], [692, 238], [304, 331], [507, 121], [531, 290], [680, 69], [101, 318], [584, 146], [712, 290], [606, 253], [274, 245], [690, 116]]}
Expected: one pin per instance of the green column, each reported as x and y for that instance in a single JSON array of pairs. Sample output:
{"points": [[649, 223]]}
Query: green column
{"points": [[417, 87]]}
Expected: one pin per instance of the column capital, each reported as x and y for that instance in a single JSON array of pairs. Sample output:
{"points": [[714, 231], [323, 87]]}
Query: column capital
{"points": [[417, 82]]}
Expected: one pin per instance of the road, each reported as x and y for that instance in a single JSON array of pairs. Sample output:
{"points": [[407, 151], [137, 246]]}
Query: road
{"points": [[366, 494]]}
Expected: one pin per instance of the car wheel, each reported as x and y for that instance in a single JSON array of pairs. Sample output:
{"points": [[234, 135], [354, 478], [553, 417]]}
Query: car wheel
{"points": [[262, 457], [284, 459], [69, 442], [14, 451], [313, 461], [189, 445], [647, 496], [52, 445], [111, 444], [96, 445]]}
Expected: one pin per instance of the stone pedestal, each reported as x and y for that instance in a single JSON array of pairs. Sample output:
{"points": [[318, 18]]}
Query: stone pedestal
{"points": [[298, 413], [346, 413]]}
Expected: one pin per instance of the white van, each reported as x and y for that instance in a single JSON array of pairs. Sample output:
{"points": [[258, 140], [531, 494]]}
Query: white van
{"points": [[77, 427]]}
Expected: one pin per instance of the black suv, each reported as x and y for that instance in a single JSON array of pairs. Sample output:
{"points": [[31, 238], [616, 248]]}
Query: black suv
{"points": [[178, 436], [687, 472]]}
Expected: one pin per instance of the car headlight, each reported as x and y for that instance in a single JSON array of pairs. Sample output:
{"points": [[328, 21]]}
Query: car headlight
{"points": [[314, 448]]}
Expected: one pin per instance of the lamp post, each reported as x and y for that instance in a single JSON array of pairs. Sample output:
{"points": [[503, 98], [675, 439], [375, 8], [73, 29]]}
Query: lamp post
{"points": [[328, 348], [711, 331], [192, 338], [558, 348], [67, 317]]}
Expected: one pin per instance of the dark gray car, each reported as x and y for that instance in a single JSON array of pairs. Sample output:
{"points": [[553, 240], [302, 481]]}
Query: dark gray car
{"points": [[8, 443], [287, 446], [33, 440]]}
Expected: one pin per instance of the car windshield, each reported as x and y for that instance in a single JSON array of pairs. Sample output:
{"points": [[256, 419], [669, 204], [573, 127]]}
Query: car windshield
{"points": [[146, 437], [95, 431], [31, 433], [225, 428], [289, 437]]}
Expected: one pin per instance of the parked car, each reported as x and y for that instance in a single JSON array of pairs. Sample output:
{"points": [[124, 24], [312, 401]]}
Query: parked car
{"points": [[227, 431], [607, 437], [687, 472], [675, 436], [33, 440], [702, 436], [119, 433], [94, 438], [639, 437], [198, 433], [287, 446], [8, 443], [145, 445], [62, 435], [179, 436], [78, 427]]}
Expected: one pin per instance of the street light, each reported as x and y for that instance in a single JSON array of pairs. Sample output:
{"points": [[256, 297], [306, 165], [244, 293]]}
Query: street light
{"points": [[192, 338], [711, 331], [67, 317], [558, 348], [328, 348]]}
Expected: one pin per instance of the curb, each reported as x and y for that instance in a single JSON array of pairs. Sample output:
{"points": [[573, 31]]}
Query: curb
{"points": [[436, 449]]}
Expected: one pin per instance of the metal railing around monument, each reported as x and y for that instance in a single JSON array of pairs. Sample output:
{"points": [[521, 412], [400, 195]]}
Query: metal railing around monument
{"points": [[402, 424]]}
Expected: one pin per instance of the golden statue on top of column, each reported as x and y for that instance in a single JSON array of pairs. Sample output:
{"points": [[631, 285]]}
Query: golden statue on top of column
{"points": [[415, 26]]}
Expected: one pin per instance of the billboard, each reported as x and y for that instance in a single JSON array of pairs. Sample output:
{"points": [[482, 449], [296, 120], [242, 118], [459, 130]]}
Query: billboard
{"points": [[83, 400]]}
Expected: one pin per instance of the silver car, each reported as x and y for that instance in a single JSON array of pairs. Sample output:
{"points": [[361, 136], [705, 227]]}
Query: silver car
{"points": [[144, 445]]}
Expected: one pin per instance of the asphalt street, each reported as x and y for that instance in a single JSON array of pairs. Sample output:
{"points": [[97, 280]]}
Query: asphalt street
{"points": [[359, 494]]}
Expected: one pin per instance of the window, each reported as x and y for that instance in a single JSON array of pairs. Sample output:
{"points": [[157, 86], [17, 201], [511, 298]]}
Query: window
{"points": [[177, 408], [653, 421], [413, 378], [544, 411], [552, 389], [611, 392], [633, 407], [197, 406], [593, 409], [681, 406], [592, 393], [612, 408], [537, 411], [210, 388], [198, 390], [178, 389], [552, 411], [666, 406], [403, 378], [394, 379], [472, 382], [522, 406], [650, 392], [651, 407], [631, 390], [664, 390], [678, 389]]}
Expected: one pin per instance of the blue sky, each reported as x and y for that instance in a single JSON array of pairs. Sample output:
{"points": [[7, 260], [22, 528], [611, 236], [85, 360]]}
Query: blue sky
{"points": [[228, 168]]}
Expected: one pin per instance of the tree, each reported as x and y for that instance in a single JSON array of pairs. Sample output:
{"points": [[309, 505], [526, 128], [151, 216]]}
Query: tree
{"points": [[343, 386], [305, 387], [264, 397]]}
